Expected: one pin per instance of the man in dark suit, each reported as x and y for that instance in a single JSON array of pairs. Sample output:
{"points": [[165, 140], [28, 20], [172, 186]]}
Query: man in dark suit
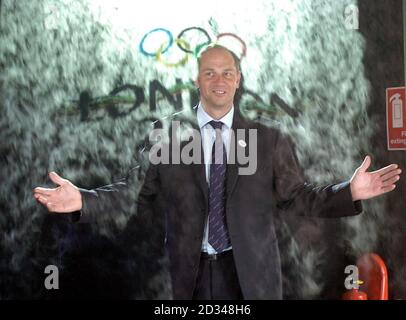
{"points": [[220, 232]]}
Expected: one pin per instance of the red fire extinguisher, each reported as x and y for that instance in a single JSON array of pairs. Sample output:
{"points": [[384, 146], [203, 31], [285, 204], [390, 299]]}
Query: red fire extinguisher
{"points": [[355, 294]]}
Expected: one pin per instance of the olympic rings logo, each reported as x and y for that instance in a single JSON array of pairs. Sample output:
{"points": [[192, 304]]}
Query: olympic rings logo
{"points": [[186, 46]]}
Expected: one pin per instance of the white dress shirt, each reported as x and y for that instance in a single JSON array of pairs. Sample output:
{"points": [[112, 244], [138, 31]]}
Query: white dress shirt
{"points": [[208, 135]]}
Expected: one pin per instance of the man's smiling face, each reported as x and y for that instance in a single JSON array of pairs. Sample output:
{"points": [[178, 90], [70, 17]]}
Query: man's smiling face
{"points": [[218, 79]]}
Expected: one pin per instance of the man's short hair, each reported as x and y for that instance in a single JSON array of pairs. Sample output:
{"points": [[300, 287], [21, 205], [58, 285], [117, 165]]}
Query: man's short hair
{"points": [[237, 61]]}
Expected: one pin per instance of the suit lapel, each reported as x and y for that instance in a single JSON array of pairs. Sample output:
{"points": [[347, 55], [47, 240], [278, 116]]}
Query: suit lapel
{"points": [[199, 170], [235, 148]]}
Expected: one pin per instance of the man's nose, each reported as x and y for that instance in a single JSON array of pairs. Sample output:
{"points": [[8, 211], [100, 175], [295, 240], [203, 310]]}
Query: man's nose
{"points": [[218, 78]]}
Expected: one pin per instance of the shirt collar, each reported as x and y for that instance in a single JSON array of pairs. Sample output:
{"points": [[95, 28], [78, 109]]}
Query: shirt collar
{"points": [[204, 118]]}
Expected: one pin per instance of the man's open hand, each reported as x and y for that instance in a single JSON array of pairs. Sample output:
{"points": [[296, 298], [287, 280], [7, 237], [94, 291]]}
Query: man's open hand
{"points": [[366, 185], [65, 198]]}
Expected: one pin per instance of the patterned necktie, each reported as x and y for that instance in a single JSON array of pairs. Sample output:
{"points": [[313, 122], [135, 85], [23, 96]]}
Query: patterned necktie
{"points": [[219, 238]]}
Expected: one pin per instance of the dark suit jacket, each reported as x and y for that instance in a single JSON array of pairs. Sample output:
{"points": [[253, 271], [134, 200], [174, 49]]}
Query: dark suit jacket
{"points": [[181, 193]]}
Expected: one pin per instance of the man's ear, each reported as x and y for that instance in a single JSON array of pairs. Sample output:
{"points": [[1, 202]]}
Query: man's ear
{"points": [[197, 83], [238, 79]]}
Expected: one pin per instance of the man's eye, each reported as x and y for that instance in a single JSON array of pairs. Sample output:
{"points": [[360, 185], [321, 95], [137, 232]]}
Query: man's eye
{"points": [[209, 74]]}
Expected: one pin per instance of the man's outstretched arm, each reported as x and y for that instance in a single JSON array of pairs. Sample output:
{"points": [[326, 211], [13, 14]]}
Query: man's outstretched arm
{"points": [[85, 204], [334, 200]]}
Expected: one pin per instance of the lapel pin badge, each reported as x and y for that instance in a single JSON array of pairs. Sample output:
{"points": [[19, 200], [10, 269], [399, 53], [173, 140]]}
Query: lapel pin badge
{"points": [[242, 143]]}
